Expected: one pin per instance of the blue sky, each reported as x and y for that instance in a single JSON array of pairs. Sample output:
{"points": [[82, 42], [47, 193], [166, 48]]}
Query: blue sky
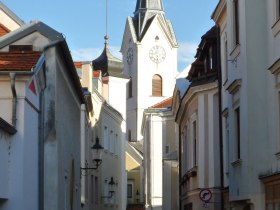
{"points": [[83, 23]]}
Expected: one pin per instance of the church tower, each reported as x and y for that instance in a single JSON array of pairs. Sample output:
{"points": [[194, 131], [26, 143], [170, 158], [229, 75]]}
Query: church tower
{"points": [[149, 50]]}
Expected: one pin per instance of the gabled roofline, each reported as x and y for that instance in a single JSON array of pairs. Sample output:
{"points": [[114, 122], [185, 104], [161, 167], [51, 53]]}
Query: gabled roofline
{"points": [[167, 30], [11, 14], [219, 10], [34, 26], [129, 25], [71, 70]]}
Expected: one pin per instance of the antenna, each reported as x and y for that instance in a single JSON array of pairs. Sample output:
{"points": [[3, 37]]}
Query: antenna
{"points": [[106, 36]]}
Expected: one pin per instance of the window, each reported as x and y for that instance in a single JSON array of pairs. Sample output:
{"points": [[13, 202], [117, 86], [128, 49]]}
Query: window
{"points": [[20, 48], [129, 190], [111, 142], [194, 144], [226, 139], [210, 58], [277, 10], [129, 89], [237, 132], [185, 153], [205, 65], [276, 26], [116, 151], [188, 206], [157, 85], [225, 61], [129, 135], [272, 195], [96, 189], [236, 22], [166, 149], [106, 138], [91, 189]]}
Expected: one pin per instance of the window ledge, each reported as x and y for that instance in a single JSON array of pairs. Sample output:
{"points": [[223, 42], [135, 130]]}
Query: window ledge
{"points": [[236, 163], [235, 53], [276, 28], [225, 82], [277, 155]]}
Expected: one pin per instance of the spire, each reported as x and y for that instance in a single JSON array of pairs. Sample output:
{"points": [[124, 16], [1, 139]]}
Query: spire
{"points": [[106, 61], [144, 13], [149, 5]]}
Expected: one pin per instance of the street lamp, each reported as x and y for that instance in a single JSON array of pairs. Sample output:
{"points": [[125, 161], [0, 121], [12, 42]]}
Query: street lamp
{"points": [[97, 151], [112, 184]]}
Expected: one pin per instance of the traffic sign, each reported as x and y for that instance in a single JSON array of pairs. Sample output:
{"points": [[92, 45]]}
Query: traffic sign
{"points": [[205, 195]]}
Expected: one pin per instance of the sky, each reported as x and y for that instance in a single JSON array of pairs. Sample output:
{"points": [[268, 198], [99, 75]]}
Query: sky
{"points": [[83, 23]]}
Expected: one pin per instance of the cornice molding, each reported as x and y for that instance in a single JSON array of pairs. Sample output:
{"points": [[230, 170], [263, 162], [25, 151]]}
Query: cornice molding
{"points": [[234, 86]]}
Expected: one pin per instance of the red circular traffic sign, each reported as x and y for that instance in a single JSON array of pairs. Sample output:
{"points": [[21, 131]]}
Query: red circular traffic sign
{"points": [[205, 195]]}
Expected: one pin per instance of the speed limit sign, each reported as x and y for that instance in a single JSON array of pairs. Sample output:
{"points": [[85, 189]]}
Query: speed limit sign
{"points": [[205, 195]]}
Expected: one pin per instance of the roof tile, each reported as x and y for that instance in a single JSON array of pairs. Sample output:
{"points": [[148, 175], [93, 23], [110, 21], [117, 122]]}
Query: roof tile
{"points": [[164, 104], [18, 61]]}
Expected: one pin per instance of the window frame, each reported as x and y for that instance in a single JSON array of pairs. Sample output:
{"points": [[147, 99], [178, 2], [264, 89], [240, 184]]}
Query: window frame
{"points": [[106, 138], [157, 85], [237, 128], [194, 144], [236, 21]]}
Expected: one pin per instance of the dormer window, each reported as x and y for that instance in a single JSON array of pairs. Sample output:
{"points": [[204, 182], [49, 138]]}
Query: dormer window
{"points": [[20, 48], [210, 56]]}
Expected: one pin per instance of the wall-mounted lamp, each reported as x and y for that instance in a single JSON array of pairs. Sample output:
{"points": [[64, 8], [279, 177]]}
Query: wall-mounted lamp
{"points": [[97, 150], [112, 184]]}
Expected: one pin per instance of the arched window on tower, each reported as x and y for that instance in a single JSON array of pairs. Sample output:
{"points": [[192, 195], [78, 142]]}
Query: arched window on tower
{"points": [[157, 85]]}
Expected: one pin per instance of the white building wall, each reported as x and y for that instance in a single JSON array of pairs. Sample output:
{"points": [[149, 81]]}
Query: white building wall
{"points": [[19, 152]]}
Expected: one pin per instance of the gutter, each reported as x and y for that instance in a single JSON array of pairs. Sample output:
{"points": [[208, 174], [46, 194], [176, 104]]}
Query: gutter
{"points": [[14, 108]]}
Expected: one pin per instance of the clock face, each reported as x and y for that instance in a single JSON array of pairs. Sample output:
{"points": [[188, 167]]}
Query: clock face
{"points": [[129, 56], [157, 54]]}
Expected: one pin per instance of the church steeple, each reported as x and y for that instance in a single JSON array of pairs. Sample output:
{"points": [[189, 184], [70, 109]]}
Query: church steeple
{"points": [[145, 11], [149, 5]]}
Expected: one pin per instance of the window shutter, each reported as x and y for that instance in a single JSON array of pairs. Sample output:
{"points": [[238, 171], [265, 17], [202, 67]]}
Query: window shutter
{"points": [[157, 86]]}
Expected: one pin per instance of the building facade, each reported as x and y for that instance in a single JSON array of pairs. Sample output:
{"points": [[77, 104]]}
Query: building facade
{"points": [[250, 102], [160, 157], [149, 50], [198, 120], [41, 152]]}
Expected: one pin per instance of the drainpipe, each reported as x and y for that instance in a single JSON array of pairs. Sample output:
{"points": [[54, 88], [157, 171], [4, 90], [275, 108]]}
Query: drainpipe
{"points": [[220, 114], [41, 150], [14, 108]]}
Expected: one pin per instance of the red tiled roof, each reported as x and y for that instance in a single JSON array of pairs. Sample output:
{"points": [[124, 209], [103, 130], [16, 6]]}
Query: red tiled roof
{"points": [[163, 104], [18, 61], [3, 30], [78, 65]]}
